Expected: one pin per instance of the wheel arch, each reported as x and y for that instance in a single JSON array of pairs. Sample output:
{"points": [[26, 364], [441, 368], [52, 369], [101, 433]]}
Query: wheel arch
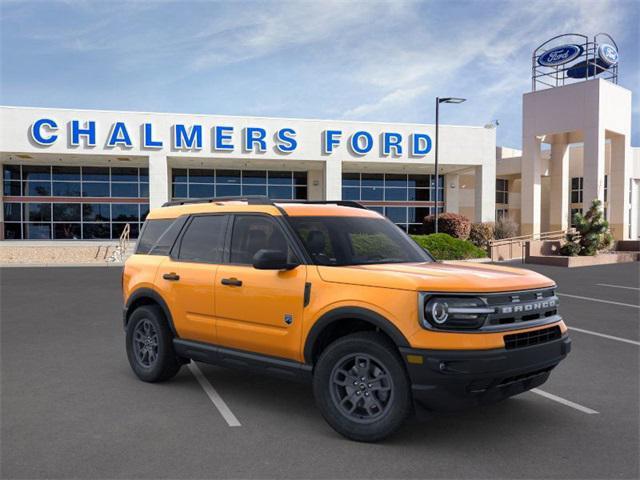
{"points": [[329, 322], [147, 296]]}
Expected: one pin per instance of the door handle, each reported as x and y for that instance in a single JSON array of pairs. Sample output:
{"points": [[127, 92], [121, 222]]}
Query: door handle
{"points": [[171, 276], [233, 282]]}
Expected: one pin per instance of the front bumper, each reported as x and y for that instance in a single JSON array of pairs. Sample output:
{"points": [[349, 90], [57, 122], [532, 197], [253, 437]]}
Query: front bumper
{"points": [[454, 379]]}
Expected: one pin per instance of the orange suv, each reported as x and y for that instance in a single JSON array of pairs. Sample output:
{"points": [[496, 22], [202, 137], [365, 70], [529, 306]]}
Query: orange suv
{"points": [[336, 294]]}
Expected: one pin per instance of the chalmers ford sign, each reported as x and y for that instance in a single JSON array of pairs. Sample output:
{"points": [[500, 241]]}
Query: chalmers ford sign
{"points": [[222, 138]]}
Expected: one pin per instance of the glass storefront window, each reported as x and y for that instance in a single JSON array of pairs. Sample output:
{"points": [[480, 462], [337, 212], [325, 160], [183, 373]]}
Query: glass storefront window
{"points": [[13, 189], [66, 212], [37, 189], [68, 231], [222, 176], [95, 174], [96, 231], [59, 218], [12, 212], [36, 172], [254, 177], [96, 212], [400, 188], [206, 183], [66, 189], [37, 231], [129, 190], [92, 189], [66, 173]]}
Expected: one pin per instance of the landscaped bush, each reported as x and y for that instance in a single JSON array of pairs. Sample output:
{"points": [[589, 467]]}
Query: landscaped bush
{"points": [[482, 233], [445, 247], [505, 227], [458, 226], [592, 233]]}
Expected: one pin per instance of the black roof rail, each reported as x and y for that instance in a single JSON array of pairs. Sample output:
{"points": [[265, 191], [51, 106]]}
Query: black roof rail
{"points": [[263, 200], [342, 203], [250, 199]]}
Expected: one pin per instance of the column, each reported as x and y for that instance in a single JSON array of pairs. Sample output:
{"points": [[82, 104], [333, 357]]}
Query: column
{"points": [[531, 188], [315, 189], [332, 179], [559, 195], [593, 167], [452, 192], [485, 192], [158, 180], [619, 187]]}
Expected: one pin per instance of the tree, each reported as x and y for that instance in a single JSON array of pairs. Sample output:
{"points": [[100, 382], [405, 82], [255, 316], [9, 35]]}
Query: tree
{"points": [[591, 235]]}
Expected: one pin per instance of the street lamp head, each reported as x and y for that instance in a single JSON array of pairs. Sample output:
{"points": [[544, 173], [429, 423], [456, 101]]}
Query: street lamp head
{"points": [[451, 100]]}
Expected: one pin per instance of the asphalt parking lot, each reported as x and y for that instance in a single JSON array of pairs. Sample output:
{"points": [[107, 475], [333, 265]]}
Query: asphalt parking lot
{"points": [[71, 407]]}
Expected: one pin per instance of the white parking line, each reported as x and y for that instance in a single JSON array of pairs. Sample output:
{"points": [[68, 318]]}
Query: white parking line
{"points": [[213, 395], [599, 300], [616, 286], [564, 401], [603, 335]]}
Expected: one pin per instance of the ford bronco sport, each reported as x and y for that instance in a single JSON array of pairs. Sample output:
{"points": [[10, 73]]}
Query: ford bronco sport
{"points": [[337, 294]]}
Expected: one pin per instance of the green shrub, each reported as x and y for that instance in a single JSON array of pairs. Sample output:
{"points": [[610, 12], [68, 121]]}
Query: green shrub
{"points": [[456, 225], [592, 233], [445, 247], [482, 233]]}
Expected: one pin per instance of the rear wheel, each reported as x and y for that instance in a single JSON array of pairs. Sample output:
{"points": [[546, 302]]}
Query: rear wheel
{"points": [[361, 387], [150, 345]]}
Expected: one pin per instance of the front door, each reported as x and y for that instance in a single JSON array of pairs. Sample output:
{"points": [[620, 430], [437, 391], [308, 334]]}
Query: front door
{"points": [[187, 279], [259, 310]]}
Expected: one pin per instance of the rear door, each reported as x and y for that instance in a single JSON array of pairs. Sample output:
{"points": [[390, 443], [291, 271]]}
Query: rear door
{"points": [[259, 310], [187, 277]]}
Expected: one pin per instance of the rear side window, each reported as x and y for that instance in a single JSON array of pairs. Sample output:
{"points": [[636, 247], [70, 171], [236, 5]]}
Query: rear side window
{"points": [[168, 238], [151, 232], [203, 241]]}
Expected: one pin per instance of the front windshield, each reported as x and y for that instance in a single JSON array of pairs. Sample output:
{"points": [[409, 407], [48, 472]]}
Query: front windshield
{"points": [[341, 241]]}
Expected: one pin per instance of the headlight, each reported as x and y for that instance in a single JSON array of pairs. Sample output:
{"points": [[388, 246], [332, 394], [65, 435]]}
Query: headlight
{"points": [[455, 313]]}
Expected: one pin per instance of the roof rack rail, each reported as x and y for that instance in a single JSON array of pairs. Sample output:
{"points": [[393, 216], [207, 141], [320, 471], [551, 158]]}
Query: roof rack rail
{"points": [[342, 203], [263, 200], [250, 199]]}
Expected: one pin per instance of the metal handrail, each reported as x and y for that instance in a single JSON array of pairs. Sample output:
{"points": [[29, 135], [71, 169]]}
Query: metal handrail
{"points": [[531, 237], [123, 244]]}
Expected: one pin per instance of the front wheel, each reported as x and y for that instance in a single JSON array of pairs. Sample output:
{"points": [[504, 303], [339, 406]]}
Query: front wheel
{"points": [[150, 345], [361, 387]]}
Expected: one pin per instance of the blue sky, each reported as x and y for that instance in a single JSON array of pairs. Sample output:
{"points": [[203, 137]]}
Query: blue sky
{"points": [[370, 60]]}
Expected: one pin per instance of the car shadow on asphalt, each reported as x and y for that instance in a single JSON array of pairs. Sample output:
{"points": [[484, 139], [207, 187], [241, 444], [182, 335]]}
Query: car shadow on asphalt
{"points": [[268, 400]]}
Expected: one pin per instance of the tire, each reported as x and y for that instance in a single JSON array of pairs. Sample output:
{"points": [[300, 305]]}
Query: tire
{"points": [[384, 400], [150, 345]]}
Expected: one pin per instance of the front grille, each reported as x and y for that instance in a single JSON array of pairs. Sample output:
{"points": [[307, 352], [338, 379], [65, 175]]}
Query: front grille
{"points": [[517, 307], [536, 337]]}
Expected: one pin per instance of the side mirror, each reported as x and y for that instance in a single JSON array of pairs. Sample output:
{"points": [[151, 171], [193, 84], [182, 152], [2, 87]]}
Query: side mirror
{"points": [[272, 260]]}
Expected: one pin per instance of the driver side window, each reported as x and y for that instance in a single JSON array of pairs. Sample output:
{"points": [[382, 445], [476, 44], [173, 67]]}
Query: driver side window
{"points": [[252, 233]]}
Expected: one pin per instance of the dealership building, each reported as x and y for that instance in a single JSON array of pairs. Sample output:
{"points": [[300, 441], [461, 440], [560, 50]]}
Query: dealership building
{"points": [[85, 174]]}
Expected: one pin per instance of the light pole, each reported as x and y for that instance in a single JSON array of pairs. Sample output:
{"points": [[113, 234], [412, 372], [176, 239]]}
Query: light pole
{"points": [[438, 102]]}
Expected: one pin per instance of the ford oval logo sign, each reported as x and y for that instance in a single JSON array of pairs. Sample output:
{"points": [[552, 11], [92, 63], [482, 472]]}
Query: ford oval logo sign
{"points": [[608, 54], [560, 55]]}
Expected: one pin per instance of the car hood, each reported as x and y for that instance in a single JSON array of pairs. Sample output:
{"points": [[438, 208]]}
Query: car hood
{"points": [[437, 277]]}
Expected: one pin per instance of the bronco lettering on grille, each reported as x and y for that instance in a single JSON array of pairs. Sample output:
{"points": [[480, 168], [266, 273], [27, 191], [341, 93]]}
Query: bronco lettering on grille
{"points": [[528, 307]]}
